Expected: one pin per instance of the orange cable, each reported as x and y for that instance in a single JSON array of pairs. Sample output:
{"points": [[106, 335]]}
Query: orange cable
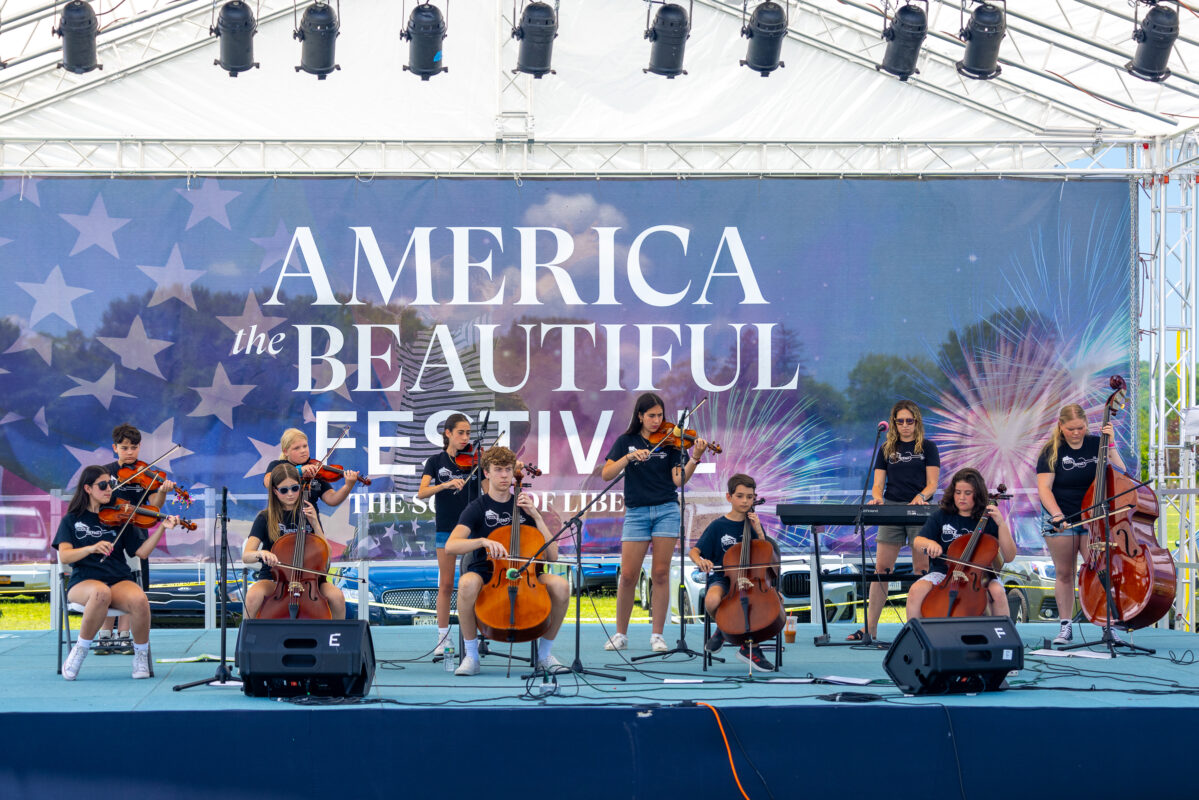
{"points": [[727, 749]]}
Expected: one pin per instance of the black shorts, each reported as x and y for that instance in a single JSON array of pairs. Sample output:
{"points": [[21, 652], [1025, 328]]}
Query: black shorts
{"points": [[719, 579], [107, 580], [482, 567]]}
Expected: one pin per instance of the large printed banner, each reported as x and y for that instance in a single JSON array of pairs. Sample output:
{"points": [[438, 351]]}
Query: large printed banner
{"points": [[214, 314]]}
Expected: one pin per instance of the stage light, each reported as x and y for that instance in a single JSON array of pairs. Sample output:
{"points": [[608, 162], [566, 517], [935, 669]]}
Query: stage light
{"points": [[536, 32], [982, 36], [78, 28], [318, 32], [1155, 40], [669, 34], [765, 31], [425, 32], [904, 37], [235, 27]]}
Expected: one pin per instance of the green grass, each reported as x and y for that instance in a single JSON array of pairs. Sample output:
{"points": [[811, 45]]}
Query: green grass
{"points": [[23, 613]]}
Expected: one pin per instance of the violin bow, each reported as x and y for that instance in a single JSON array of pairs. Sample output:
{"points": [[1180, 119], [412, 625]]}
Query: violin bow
{"points": [[152, 463], [475, 468], [1103, 503]]}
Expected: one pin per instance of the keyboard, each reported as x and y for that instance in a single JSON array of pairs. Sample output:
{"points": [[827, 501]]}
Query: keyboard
{"points": [[846, 514]]}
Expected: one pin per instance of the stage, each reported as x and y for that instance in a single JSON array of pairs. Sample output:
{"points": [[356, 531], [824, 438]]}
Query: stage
{"points": [[1055, 730]]}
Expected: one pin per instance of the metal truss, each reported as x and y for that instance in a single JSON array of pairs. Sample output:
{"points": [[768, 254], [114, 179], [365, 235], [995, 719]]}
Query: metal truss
{"points": [[1172, 266]]}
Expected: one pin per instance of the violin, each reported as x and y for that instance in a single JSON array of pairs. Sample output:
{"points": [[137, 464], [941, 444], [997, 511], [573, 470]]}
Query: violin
{"points": [[122, 512], [1122, 550], [514, 606], [972, 560], [465, 458], [139, 473], [752, 611], [331, 473], [665, 436], [303, 558]]}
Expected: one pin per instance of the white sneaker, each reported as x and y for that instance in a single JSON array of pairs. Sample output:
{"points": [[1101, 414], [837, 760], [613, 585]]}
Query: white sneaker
{"points": [[1066, 634], [441, 643], [657, 643], [552, 666], [617, 641], [141, 664], [469, 666], [70, 667]]}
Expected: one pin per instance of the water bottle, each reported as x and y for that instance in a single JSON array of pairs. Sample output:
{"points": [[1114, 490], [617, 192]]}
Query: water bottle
{"points": [[448, 658]]}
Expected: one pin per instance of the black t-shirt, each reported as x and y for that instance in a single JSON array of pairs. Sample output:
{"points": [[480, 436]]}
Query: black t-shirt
{"points": [[316, 487], [721, 534], [132, 494], [448, 506], [944, 528], [1073, 473], [651, 482], [260, 531], [84, 529], [906, 477], [482, 515]]}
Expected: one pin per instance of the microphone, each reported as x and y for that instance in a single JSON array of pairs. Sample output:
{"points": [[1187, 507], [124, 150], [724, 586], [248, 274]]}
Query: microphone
{"points": [[882, 426], [483, 423], [513, 573]]}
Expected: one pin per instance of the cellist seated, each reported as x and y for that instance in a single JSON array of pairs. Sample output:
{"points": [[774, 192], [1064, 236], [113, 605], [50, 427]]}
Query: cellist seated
{"points": [[708, 555], [491, 510], [959, 513], [284, 514]]}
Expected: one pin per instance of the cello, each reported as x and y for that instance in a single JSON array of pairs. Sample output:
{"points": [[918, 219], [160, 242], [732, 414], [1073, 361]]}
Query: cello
{"points": [[962, 592], [1122, 551], [514, 606], [303, 558], [752, 611]]}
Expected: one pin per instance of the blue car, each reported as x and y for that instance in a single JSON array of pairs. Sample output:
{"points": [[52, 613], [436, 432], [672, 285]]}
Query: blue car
{"points": [[403, 595]]}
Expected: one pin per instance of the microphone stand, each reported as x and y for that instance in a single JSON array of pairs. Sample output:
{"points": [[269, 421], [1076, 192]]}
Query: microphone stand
{"points": [[223, 677], [864, 591], [681, 645]]}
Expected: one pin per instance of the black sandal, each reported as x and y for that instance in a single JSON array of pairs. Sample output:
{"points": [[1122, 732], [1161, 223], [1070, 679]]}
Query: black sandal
{"points": [[856, 636]]}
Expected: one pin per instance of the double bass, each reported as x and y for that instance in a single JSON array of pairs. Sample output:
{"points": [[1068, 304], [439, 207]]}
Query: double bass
{"points": [[514, 606], [972, 560], [1122, 550], [752, 611]]}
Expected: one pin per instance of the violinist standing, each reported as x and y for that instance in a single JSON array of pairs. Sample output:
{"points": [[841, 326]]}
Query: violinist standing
{"points": [[651, 482], [708, 555], [127, 446], [906, 470], [491, 510], [285, 513], [99, 583], [446, 481], [1065, 470], [293, 446], [962, 507]]}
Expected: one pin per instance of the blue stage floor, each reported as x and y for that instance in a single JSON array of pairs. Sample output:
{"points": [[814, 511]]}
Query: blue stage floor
{"points": [[638, 738]]}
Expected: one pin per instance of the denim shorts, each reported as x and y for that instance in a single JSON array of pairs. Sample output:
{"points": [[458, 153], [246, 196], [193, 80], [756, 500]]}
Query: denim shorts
{"points": [[1046, 526], [441, 538], [643, 522]]}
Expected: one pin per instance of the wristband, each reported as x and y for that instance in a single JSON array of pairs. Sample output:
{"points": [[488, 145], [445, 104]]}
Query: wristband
{"points": [[1111, 444]]}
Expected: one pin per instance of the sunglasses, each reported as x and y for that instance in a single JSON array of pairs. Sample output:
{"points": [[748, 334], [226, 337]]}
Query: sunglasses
{"points": [[103, 485], [905, 422], [295, 487]]}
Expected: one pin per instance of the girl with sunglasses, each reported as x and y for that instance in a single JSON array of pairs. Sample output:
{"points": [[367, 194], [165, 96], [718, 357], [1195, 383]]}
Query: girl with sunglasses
{"points": [[906, 470], [285, 513], [98, 582]]}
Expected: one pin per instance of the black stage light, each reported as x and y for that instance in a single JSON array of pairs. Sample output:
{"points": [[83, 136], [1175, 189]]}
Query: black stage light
{"points": [[1155, 39], [318, 32], [425, 32], [765, 31], [78, 28], [904, 37], [669, 34], [235, 27], [982, 36], [536, 31]]}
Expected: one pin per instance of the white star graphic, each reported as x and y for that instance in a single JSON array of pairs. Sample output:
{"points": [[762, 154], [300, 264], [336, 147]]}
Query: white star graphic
{"points": [[173, 280], [86, 458], [11, 416], [39, 419], [95, 228], [103, 389], [208, 202], [4, 241], [275, 246], [22, 188], [162, 439], [221, 397], [336, 522], [251, 315], [322, 373], [29, 339], [137, 350], [309, 416], [53, 297], [267, 452]]}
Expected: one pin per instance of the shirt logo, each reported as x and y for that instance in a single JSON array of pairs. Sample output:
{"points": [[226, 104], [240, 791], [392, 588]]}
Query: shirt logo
{"points": [[494, 520], [727, 541], [1069, 463], [951, 532], [84, 532], [898, 457]]}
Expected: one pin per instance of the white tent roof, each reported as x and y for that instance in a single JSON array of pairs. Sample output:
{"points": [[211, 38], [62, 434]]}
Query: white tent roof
{"points": [[1061, 78]]}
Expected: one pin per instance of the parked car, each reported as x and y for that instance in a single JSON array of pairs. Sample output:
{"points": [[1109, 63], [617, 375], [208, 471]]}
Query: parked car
{"points": [[32, 579], [1029, 581], [598, 573], [177, 593], [397, 595]]}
